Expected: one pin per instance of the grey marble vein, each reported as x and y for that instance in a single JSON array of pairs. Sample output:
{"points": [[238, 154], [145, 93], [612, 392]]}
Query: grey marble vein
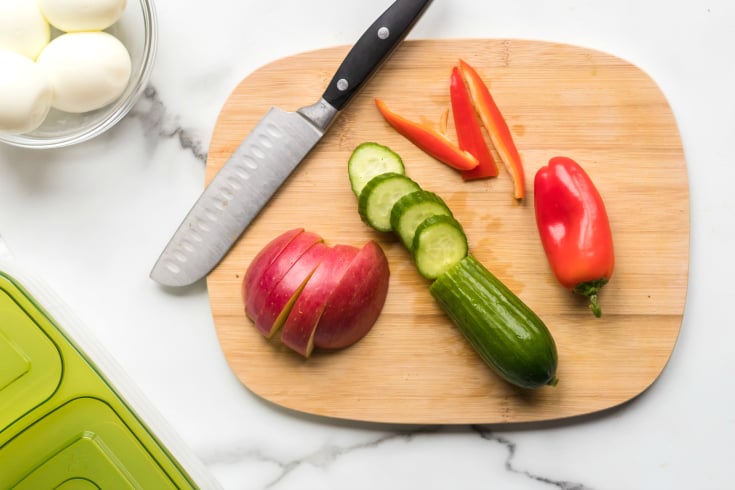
{"points": [[322, 458], [327, 455], [488, 435], [158, 123]]}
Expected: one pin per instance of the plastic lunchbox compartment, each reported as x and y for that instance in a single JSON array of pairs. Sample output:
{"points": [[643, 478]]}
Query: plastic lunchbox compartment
{"points": [[69, 417]]}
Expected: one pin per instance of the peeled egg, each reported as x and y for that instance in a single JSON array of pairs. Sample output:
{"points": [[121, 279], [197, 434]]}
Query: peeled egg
{"points": [[25, 93], [82, 15], [87, 70], [23, 28]]}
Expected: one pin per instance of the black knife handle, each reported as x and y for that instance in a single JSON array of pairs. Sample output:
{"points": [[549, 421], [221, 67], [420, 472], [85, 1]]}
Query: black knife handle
{"points": [[373, 47]]}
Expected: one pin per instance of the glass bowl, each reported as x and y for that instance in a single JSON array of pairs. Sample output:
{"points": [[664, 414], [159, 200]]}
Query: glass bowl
{"points": [[136, 29]]}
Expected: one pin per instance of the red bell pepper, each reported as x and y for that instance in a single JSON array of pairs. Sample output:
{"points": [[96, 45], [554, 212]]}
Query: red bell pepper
{"points": [[496, 127], [429, 140], [469, 134], [574, 228]]}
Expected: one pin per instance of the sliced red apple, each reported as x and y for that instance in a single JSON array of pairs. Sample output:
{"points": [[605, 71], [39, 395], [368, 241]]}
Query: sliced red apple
{"points": [[259, 288], [265, 258], [298, 330], [356, 301], [281, 298]]}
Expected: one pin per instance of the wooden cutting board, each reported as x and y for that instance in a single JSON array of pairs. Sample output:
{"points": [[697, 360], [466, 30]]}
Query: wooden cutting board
{"points": [[414, 366]]}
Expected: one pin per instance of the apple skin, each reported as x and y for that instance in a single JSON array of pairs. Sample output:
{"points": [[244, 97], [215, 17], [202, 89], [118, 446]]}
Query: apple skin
{"points": [[298, 330], [257, 291], [281, 298], [265, 258], [357, 301]]}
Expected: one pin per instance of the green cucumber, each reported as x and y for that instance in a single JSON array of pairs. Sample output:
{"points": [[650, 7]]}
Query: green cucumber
{"points": [[410, 210], [439, 244], [368, 160], [505, 332], [379, 195], [509, 337]]}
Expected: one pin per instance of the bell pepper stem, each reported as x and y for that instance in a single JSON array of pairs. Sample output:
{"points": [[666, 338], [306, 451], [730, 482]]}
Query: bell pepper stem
{"points": [[590, 289]]}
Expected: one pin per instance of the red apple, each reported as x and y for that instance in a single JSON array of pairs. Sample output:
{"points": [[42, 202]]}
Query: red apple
{"points": [[281, 298], [260, 287], [357, 301], [265, 258], [298, 330]]}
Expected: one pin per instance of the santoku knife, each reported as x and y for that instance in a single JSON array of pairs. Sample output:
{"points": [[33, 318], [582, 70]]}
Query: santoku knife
{"points": [[270, 153]]}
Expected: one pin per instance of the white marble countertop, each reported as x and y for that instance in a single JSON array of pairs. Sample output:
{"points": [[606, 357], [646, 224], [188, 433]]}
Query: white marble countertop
{"points": [[92, 219]]}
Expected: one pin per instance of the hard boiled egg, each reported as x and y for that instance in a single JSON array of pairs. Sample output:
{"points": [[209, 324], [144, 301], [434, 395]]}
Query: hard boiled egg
{"points": [[23, 28], [25, 93], [82, 15], [87, 70]]}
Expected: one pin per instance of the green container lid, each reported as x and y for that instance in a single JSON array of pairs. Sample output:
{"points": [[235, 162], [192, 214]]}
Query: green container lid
{"points": [[65, 420]]}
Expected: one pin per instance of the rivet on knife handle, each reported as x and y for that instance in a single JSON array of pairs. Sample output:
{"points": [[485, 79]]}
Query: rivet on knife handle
{"points": [[269, 154], [373, 47]]}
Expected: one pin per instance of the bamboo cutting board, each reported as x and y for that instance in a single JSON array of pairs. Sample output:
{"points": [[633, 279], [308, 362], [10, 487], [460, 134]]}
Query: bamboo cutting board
{"points": [[414, 366]]}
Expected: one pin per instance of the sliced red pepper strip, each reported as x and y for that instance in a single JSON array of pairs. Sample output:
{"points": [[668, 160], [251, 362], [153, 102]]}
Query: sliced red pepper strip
{"points": [[496, 127], [467, 126], [574, 228], [429, 140]]}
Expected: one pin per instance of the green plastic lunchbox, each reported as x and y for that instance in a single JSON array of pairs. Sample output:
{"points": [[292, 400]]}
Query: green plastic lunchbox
{"points": [[69, 418]]}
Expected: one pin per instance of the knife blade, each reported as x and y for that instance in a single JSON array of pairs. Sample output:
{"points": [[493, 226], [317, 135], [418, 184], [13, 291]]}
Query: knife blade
{"points": [[269, 154]]}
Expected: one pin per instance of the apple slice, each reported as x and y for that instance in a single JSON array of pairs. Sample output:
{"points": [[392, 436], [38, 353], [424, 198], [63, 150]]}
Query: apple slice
{"points": [[260, 287], [357, 301], [279, 301], [265, 258], [298, 330]]}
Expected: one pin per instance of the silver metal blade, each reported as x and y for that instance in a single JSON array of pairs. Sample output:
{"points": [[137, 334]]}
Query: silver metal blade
{"points": [[235, 196]]}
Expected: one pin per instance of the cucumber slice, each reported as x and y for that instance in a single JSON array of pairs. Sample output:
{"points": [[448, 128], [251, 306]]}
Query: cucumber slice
{"points": [[438, 245], [371, 159], [410, 210], [379, 195]]}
